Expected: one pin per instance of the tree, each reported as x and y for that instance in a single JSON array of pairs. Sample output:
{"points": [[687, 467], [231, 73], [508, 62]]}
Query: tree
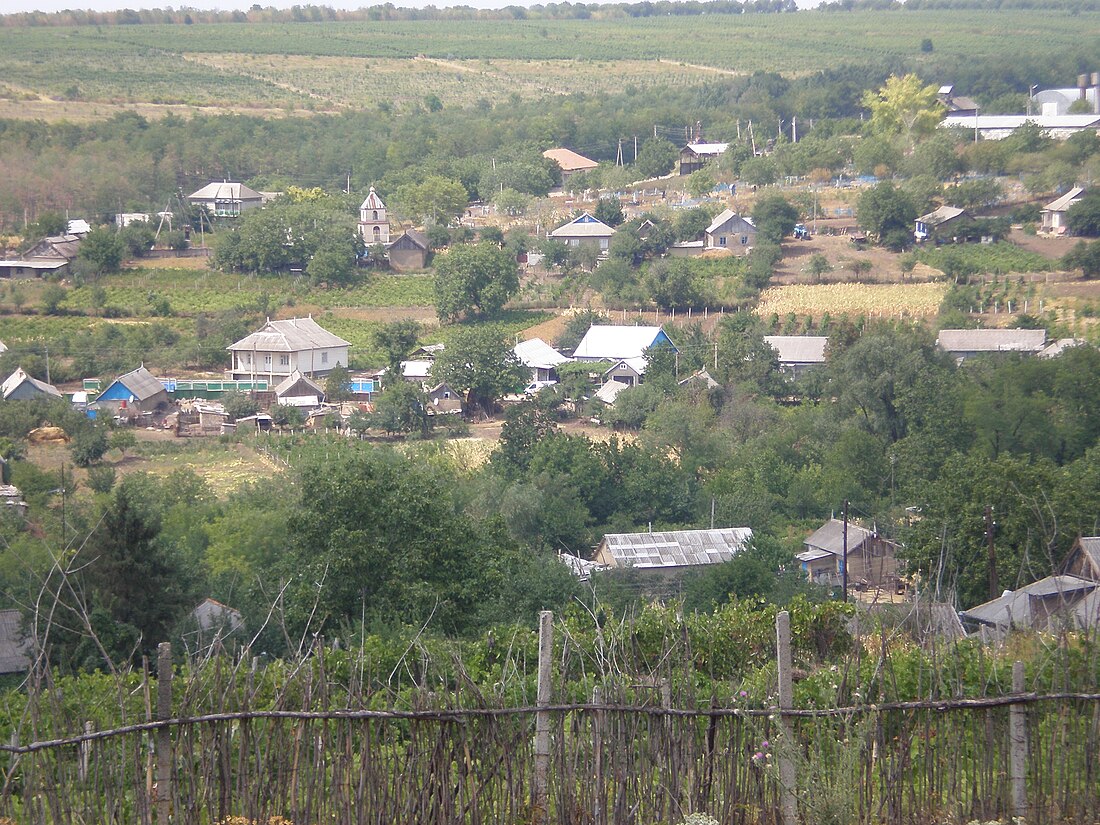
{"points": [[89, 445], [904, 106], [1086, 257], [334, 261], [888, 213], [1083, 218], [239, 405], [49, 224], [130, 575], [524, 426], [102, 251], [474, 280], [435, 198], [511, 202], [672, 284], [774, 216], [818, 266], [610, 211], [52, 296], [699, 183], [395, 340], [480, 361], [656, 157], [402, 408], [338, 384], [285, 415]]}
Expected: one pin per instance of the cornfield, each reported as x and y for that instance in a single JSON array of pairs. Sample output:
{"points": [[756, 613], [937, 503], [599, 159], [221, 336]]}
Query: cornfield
{"points": [[885, 300]]}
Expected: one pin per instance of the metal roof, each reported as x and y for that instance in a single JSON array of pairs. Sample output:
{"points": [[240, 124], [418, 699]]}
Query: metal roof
{"points": [[19, 377], [1013, 608], [724, 216], [610, 391], [676, 548], [830, 537], [614, 343], [570, 161], [1016, 121], [1066, 201], [941, 215], [225, 191], [798, 349], [708, 148], [288, 383], [537, 354], [1056, 348], [140, 383], [291, 335], [584, 226], [991, 340], [372, 201]]}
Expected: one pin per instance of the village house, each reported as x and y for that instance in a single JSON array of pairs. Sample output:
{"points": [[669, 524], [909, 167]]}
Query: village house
{"points": [[585, 230], [938, 223], [49, 256], [668, 554], [1068, 599], [282, 347], [871, 560], [798, 353], [410, 252], [11, 500], [1059, 101], [374, 226], [444, 401], [296, 390], [624, 347], [134, 395], [19, 386], [731, 231], [541, 358], [226, 199], [954, 104], [1054, 213], [570, 163], [967, 343], [696, 155]]}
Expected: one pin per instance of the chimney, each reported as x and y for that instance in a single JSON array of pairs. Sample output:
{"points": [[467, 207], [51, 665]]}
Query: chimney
{"points": [[1082, 85], [1095, 93]]}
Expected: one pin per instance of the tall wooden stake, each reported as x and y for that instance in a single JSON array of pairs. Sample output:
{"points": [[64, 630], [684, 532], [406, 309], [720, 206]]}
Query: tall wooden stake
{"points": [[990, 529], [164, 735], [542, 717], [844, 557], [1017, 721], [788, 803]]}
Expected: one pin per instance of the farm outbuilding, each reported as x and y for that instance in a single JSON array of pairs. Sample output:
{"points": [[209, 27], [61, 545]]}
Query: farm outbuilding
{"points": [[134, 394], [671, 549], [410, 252], [19, 386]]}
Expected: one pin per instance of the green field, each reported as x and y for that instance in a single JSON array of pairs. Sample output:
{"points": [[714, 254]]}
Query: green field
{"points": [[330, 66]]}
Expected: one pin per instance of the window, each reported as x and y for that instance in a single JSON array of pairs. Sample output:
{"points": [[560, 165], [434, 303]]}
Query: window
{"points": [[324, 357], [267, 361], [375, 215], [744, 240], [284, 360], [722, 240], [377, 233]]}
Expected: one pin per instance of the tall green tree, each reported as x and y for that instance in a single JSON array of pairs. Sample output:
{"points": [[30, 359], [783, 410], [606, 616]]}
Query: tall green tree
{"points": [[479, 361], [904, 106], [887, 212], [101, 251], [774, 216], [395, 340], [474, 280]]}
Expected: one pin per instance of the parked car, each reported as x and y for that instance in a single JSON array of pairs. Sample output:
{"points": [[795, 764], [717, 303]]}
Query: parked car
{"points": [[538, 386]]}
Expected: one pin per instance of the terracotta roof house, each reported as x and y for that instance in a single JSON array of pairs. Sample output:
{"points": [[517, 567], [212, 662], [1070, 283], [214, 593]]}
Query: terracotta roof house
{"points": [[282, 347], [1054, 213], [226, 199], [585, 229], [19, 386], [569, 162], [966, 343]]}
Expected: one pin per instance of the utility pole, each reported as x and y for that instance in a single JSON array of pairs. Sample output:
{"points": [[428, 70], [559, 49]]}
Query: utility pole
{"points": [[990, 531], [844, 558], [635, 148], [619, 154], [48, 381]]}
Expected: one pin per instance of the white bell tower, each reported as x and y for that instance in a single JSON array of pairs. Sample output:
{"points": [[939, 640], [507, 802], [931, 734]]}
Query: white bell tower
{"points": [[374, 226]]}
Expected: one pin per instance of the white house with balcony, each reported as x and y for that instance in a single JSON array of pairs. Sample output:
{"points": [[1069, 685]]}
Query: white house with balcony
{"points": [[282, 347]]}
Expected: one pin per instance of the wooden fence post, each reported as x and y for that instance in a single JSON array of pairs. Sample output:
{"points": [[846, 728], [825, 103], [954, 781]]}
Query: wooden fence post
{"points": [[164, 735], [788, 802], [1017, 727], [542, 718], [85, 752], [599, 813]]}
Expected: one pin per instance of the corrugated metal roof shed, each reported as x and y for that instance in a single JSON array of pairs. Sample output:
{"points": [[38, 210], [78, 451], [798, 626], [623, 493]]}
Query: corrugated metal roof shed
{"points": [[139, 383], [830, 537], [798, 349], [676, 548], [537, 354], [991, 340]]}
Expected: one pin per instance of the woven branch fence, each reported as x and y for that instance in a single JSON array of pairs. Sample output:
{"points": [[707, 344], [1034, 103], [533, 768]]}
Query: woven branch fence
{"points": [[600, 762]]}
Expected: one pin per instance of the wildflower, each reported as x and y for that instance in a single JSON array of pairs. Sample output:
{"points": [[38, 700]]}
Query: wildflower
{"points": [[758, 758], [765, 745], [744, 693]]}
